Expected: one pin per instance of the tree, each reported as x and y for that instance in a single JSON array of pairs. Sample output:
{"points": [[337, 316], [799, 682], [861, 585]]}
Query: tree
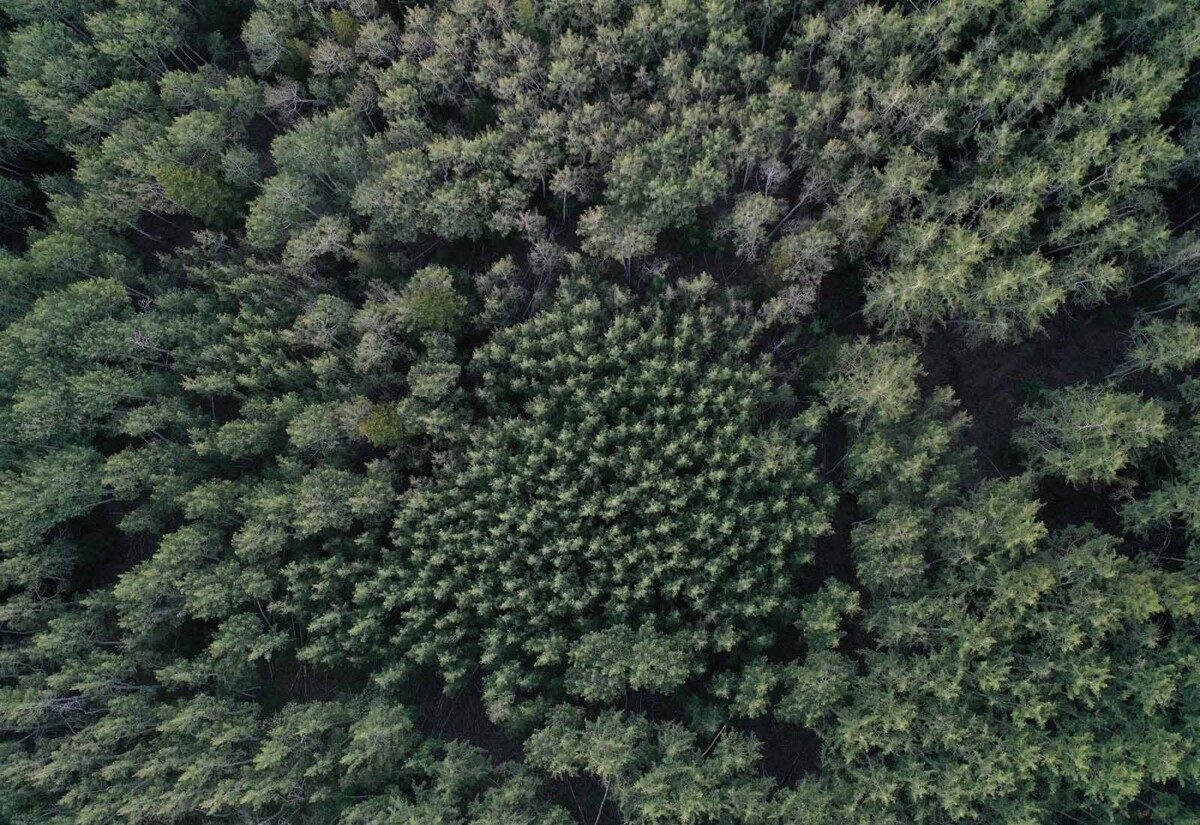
{"points": [[1088, 434], [1163, 347], [141, 33], [52, 71], [588, 441], [609, 236], [199, 193], [606, 664], [316, 396], [429, 303], [655, 773]]}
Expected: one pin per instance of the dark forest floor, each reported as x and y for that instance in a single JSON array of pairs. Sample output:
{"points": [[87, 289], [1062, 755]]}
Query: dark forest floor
{"points": [[993, 381]]}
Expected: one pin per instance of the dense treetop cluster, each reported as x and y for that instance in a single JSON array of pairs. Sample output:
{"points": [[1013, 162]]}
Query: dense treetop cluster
{"points": [[531, 412]]}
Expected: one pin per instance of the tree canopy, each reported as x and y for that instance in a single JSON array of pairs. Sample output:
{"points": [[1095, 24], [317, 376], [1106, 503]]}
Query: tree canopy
{"points": [[532, 412]]}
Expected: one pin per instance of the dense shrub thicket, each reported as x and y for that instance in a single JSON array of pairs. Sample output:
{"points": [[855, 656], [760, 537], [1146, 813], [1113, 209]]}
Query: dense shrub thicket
{"points": [[497, 412]]}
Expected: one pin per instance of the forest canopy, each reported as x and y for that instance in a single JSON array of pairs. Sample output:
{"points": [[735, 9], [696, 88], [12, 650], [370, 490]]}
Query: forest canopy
{"points": [[534, 412]]}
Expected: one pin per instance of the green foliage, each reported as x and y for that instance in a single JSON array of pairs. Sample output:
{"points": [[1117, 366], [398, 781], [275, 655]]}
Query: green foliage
{"points": [[200, 194], [264, 483], [822, 617], [992, 679], [47, 493], [52, 71], [383, 427], [429, 303], [606, 664], [903, 461], [625, 477], [965, 183], [1175, 499], [994, 690], [345, 27], [655, 773], [1163, 347], [1088, 434]]}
